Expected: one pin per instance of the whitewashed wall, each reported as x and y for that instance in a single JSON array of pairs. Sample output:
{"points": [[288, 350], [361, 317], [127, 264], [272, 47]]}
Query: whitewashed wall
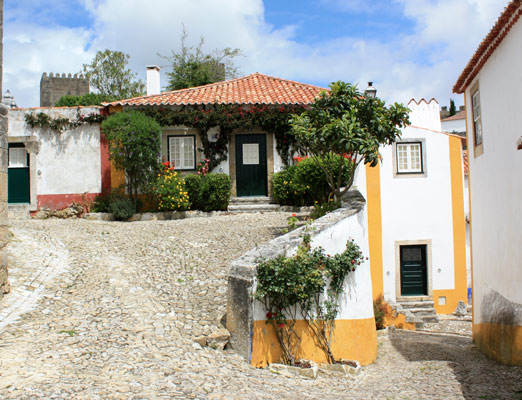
{"points": [[419, 207], [495, 178], [68, 162]]}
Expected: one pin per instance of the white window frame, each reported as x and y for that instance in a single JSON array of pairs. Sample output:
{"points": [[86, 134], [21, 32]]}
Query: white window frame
{"points": [[14, 159], [476, 115], [181, 139], [409, 168]]}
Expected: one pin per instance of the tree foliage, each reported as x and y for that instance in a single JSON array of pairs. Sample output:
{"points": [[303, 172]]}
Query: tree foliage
{"points": [[89, 99], [344, 122], [452, 109], [134, 145], [192, 66], [109, 75]]}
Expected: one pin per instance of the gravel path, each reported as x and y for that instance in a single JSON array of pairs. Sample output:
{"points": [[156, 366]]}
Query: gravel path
{"points": [[108, 310]]}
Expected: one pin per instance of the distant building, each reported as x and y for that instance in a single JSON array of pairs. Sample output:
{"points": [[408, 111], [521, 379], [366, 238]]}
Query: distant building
{"points": [[456, 123], [53, 87], [493, 95], [8, 99]]}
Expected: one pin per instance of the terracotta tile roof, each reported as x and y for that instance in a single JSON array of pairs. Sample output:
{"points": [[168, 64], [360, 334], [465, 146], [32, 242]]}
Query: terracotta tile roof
{"points": [[465, 162], [495, 36], [459, 115], [250, 89]]}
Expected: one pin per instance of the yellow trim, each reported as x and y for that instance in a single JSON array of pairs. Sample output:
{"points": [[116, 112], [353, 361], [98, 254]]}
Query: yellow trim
{"points": [[353, 339], [373, 190], [460, 290], [469, 215], [501, 342]]}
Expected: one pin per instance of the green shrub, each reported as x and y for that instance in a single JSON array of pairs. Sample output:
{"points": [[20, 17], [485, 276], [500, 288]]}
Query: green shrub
{"points": [[305, 184], [102, 202], [214, 193], [193, 186], [380, 310], [122, 208]]}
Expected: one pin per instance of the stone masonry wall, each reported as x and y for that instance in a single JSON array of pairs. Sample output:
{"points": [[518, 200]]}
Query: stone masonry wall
{"points": [[53, 87], [4, 283]]}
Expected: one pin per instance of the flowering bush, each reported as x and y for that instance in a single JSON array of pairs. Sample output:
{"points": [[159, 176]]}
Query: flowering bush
{"points": [[169, 189], [309, 286], [203, 167]]}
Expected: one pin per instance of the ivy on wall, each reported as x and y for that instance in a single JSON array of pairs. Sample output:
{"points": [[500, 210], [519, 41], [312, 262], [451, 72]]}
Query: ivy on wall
{"points": [[61, 124], [272, 119]]}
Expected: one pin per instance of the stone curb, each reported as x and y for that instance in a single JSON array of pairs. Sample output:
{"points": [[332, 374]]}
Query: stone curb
{"points": [[290, 371]]}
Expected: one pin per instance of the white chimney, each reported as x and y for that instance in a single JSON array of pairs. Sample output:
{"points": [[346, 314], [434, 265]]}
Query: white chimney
{"points": [[153, 80]]}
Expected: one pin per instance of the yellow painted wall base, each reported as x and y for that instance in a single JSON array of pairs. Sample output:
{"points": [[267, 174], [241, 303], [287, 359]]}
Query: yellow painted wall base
{"points": [[453, 296], [501, 342], [397, 320], [353, 339]]}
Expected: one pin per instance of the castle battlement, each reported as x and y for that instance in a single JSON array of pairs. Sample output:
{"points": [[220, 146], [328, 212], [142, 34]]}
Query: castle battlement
{"points": [[54, 86]]}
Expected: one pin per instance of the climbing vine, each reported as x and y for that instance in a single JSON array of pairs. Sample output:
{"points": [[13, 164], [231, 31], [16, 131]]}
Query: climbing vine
{"points": [[228, 117], [309, 284], [60, 124]]}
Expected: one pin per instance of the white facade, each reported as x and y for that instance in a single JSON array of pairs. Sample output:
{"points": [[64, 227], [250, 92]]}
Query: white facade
{"points": [[495, 182], [417, 208], [61, 163]]}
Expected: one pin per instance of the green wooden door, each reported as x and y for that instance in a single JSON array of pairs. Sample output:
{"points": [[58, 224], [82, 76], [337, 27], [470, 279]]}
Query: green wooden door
{"points": [[18, 174], [251, 165], [413, 270]]}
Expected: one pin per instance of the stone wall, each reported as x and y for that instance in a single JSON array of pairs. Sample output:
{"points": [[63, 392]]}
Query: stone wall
{"points": [[355, 336], [4, 284], [53, 87]]}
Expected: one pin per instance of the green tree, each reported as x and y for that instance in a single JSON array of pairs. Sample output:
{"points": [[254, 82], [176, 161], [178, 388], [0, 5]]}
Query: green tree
{"points": [[342, 121], [134, 145], [89, 99], [452, 109], [192, 66], [109, 75]]}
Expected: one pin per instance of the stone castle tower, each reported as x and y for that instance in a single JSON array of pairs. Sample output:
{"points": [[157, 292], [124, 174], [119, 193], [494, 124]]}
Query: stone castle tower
{"points": [[53, 87]]}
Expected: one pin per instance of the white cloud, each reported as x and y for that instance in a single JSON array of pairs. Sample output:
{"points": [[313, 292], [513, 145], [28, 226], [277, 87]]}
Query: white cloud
{"points": [[423, 64]]}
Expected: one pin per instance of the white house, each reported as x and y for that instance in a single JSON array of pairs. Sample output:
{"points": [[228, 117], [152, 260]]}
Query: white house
{"points": [[492, 87], [53, 169], [416, 217]]}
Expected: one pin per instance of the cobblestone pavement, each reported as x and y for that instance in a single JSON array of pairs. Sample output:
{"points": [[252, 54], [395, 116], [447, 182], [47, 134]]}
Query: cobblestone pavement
{"points": [[107, 310]]}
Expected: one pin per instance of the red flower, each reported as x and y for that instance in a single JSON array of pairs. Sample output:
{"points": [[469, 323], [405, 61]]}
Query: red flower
{"points": [[294, 215], [281, 325], [353, 261], [269, 315]]}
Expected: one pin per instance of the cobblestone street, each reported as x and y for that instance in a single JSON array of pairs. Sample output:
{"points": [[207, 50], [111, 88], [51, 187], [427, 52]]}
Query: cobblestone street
{"points": [[108, 310]]}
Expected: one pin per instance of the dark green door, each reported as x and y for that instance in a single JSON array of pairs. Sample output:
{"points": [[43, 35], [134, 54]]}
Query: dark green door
{"points": [[18, 174], [413, 270], [251, 172]]}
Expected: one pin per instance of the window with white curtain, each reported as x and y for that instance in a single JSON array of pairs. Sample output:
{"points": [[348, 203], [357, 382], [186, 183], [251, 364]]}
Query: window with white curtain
{"points": [[409, 158], [182, 152]]}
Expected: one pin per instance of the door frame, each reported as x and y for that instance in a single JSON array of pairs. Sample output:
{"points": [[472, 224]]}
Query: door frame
{"points": [[269, 158], [429, 279], [32, 146]]}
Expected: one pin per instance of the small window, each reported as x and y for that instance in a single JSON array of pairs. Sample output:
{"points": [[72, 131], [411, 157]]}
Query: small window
{"points": [[17, 157], [477, 120], [182, 152], [409, 158]]}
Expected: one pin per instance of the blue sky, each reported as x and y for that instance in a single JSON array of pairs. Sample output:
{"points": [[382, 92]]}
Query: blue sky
{"points": [[409, 48]]}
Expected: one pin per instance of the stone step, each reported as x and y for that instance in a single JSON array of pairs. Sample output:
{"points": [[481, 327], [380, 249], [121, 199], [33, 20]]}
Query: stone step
{"points": [[250, 200], [417, 304], [253, 207], [18, 211]]}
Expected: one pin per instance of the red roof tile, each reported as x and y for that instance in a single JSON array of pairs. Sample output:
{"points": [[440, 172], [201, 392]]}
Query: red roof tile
{"points": [[250, 89], [459, 115], [495, 36]]}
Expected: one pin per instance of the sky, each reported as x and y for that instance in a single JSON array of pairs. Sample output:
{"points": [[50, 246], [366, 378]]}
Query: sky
{"points": [[408, 48]]}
